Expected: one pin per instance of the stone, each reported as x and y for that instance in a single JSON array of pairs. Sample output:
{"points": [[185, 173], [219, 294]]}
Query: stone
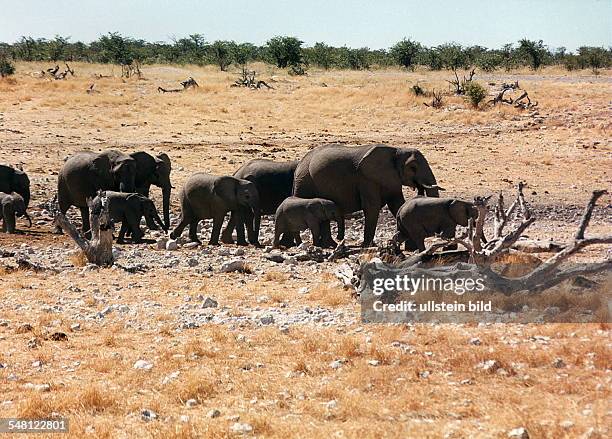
{"points": [[336, 364], [330, 405], [191, 245], [214, 413], [148, 415], [171, 245], [267, 320], [75, 327], [192, 262], [304, 290], [190, 403], [559, 363], [184, 419], [143, 365], [241, 428], [489, 365], [518, 433], [161, 243], [475, 341], [275, 256], [373, 362], [235, 265], [566, 425], [171, 377], [209, 302]]}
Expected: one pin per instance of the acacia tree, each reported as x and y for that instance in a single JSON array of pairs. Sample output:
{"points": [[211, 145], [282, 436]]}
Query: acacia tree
{"points": [[321, 55], [533, 51], [58, 48], [453, 56], [221, 53], [285, 51], [405, 52], [243, 53]]}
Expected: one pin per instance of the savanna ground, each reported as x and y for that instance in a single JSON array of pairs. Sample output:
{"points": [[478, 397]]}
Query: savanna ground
{"points": [[426, 381]]}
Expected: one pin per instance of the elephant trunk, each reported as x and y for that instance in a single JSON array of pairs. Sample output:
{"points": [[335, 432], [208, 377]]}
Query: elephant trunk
{"points": [[166, 205], [26, 216], [25, 193]]}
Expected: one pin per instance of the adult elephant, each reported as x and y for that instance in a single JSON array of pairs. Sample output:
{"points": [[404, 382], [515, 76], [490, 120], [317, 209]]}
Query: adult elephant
{"points": [[86, 172], [15, 180], [154, 170], [274, 183], [363, 178]]}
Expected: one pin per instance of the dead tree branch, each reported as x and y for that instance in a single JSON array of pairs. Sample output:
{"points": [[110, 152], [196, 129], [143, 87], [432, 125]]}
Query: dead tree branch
{"points": [[545, 276], [98, 250], [248, 80]]}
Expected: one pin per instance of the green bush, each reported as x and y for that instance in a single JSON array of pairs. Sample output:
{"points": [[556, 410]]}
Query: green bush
{"points": [[475, 92], [6, 67]]}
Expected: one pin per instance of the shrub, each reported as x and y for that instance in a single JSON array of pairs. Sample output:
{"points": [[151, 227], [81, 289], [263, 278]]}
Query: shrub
{"points": [[418, 90], [6, 67], [475, 93], [285, 51]]}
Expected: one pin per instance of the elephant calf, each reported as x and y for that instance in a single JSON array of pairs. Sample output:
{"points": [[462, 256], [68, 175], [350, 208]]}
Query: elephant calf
{"points": [[422, 217], [11, 206], [296, 214], [129, 208], [209, 196]]}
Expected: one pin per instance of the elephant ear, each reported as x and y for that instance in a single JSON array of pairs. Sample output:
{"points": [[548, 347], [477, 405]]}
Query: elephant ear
{"points": [[163, 157], [101, 165], [378, 164], [225, 188], [460, 212]]}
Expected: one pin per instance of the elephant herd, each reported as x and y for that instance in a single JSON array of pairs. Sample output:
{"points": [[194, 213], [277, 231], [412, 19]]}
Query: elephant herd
{"points": [[327, 184]]}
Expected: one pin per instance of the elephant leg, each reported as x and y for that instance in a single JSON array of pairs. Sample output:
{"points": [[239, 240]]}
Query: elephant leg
{"points": [[297, 238], [341, 227], [240, 239], [256, 226], [193, 231], [251, 224], [448, 232], [85, 219], [326, 238], [216, 230], [8, 225], [315, 230], [133, 223], [278, 231], [227, 237], [178, 230], [122, 231]]}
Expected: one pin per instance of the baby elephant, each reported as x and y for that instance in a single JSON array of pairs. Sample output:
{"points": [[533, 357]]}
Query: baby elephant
{"points": [[296, 214], [11, 206], [129, 208], [422, 217], [209, 196]]}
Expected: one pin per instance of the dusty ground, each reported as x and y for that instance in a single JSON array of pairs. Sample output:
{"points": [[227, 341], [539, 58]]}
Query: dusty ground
{"points": [[276, 374]]}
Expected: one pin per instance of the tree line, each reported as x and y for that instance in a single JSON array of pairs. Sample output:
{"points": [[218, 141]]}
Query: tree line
{"points": [[290, 52]]}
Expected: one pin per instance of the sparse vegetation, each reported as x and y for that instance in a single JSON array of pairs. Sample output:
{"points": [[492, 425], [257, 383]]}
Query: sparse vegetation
{"points": [[6, 67], [475, 93]]}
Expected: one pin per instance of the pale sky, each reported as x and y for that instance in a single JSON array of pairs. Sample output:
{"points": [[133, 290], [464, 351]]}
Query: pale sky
{"points": [[356, 23]]}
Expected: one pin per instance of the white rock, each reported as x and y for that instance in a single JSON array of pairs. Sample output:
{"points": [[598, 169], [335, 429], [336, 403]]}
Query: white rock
{"points": [[143, 365], [330, 405], [518, 433], [214, 413], [75, 327], [192, 244], [191, 403], [240, 428], [161, 243], [171, 245], [267, 320], [148, 415], [171, 377], [304, 290], [566, 424], [373, 362], [336, 364], [234, 265], [184, 419]]}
